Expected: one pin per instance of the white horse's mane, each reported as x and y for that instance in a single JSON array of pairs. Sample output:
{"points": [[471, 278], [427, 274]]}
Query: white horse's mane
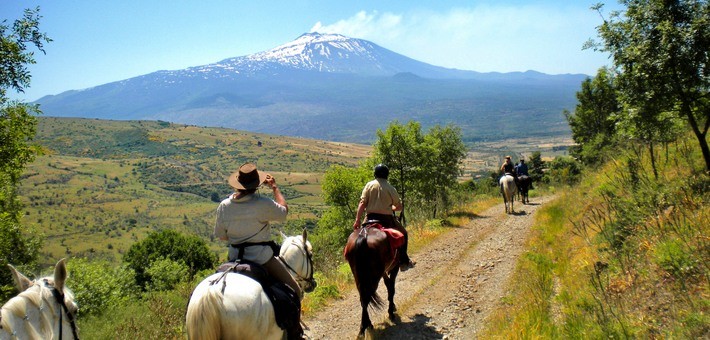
{"points": [[32, 312]]}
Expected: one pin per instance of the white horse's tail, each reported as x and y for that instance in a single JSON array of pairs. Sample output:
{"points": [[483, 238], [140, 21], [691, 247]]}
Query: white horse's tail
{"points": [[203, 316]]}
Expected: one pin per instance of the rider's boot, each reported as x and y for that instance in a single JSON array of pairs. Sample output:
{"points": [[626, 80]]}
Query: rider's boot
{"points": [[405, 263], [295, 332]]}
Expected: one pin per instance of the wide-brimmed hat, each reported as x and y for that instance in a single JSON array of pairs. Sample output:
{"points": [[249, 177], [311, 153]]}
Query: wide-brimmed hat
{"points": [[507, 157], [247, 177]]}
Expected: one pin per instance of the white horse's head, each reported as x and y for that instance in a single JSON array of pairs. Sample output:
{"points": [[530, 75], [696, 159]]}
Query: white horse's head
{"points": [[297, 254], [44, 307]]}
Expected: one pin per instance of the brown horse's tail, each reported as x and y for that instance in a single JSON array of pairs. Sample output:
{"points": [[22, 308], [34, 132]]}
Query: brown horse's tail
{"points": [[369, 270]]}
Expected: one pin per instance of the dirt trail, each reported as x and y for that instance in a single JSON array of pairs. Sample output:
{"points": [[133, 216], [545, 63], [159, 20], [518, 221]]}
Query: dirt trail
{"points": [[459, 279]]}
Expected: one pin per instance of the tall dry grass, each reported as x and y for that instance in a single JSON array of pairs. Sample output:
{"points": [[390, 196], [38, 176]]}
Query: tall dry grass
{"points": [[621, 255]]}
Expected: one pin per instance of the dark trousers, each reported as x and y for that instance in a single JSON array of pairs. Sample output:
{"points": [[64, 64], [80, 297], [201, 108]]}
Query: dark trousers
{"points": [[388, 221]]}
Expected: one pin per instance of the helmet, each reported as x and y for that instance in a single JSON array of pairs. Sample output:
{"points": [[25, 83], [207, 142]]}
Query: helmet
{"points": [[381, 171]]}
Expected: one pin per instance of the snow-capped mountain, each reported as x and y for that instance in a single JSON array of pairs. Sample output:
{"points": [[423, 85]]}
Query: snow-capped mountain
{"points": [[325, 78], [328, 53]]}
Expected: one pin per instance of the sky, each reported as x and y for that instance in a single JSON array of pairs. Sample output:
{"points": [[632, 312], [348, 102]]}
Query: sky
{"points": [[97, 42]]}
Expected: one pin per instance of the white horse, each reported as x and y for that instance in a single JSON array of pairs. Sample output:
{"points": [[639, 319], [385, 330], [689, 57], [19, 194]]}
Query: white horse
{"points": [[237, 307], [508, 189], [44, 309]]}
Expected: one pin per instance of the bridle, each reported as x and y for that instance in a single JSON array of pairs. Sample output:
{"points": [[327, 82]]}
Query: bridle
{"points": [[309, 264], [59, 297]]}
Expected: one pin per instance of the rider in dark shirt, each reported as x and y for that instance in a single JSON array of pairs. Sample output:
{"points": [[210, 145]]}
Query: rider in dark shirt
{"points": [[521, 168]]}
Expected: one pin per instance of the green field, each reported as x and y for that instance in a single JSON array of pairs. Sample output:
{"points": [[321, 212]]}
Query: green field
{"points": [[102, 185]]}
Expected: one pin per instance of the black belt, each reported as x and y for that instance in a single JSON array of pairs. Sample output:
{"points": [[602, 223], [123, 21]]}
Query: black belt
{"points": [[387, 219], [274, 247]]}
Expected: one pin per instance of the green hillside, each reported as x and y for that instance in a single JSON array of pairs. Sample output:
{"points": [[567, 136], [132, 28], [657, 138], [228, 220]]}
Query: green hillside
{"points": [[101, 185]]}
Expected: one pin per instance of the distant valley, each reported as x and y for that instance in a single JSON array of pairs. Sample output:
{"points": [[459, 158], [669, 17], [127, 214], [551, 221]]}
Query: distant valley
{"points": [[101, 185]]}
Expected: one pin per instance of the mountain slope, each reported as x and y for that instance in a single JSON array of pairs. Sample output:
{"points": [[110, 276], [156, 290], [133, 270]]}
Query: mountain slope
{"points": [[331, 87]]}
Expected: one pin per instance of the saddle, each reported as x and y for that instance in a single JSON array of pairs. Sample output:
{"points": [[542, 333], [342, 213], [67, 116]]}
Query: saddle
{"points": [[394, 236], [287, 305]]}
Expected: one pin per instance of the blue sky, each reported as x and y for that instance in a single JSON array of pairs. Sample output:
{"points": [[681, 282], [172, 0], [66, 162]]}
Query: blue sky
{"points": [[97, 42]]}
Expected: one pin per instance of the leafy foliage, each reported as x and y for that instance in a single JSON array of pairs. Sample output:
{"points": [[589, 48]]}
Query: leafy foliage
{"points": [[341, 187], [17, 129], [100, 285], [660, 49], [165, 274], [565, 170], [537, 167], [424, 167], [164, 245], [593, 122]]}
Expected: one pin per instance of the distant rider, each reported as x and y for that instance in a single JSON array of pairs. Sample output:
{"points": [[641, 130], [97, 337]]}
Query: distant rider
{"points": [[522, 169], [507, 168], [379, 198]]}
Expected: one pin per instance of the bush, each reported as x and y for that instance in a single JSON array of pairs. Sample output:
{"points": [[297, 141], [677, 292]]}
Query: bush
{"points": [[98, 285], [168, 244], [165, 274], [565, 170]]}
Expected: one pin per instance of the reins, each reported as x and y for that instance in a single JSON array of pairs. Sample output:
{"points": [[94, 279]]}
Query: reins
{"points": [[59, 296], [309, 264]]}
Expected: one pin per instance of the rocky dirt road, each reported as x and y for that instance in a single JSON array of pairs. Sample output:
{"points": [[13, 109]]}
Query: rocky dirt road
{"points": [[459, 279]]}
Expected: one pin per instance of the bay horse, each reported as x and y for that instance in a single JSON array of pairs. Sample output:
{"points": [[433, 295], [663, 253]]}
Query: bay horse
{"points": [[234, 306], [524, 182], [371, 257], [508, 189], [44, 309]]}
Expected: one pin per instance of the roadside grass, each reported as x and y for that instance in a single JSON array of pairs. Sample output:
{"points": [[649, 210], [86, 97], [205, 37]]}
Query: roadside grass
{"points": [[621, 255]]}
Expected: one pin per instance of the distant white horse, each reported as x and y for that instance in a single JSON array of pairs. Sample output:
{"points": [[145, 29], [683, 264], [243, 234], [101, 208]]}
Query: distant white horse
{"points": [[237, 307], [44, 309], [508, 189]]}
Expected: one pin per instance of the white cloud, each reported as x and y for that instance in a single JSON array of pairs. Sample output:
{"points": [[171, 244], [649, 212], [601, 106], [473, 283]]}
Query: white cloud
{"points": [[483, 38], [364, 25]]}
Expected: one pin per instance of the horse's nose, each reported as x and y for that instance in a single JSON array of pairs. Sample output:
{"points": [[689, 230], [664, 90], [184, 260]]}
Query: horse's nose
{"points": [[311, 286]]}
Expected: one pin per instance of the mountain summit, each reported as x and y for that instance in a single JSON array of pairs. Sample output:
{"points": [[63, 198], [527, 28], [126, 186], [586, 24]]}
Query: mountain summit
{"points": [[328, 53], [331, 87]]}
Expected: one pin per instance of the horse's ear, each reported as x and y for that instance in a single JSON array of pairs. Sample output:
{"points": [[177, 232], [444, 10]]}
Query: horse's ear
{"points": [[21, 281], [60, 275], [283, 236], [305, 235]]}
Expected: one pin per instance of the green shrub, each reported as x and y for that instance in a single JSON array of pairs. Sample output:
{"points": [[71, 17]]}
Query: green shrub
{"points": [[99, 284], [565, 170], [168, 244], [165, 274]]}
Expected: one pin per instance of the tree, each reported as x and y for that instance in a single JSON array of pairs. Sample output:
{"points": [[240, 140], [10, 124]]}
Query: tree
{"points": [[593, 122], [660, 48], [444, 153], [18, 245], [400, 148], [168, 245], [342, 187], [423, 167], [537, 165], [565, 170]]}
